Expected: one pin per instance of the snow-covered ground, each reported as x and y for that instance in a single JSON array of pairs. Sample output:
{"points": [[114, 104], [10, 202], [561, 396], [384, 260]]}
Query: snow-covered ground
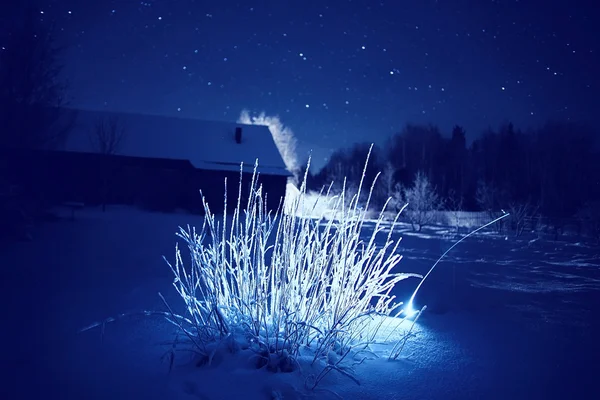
{"points": [[511, 318]]}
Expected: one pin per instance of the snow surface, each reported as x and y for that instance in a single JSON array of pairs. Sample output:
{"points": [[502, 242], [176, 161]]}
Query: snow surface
{"points": [[206, 144], [506, 319]]}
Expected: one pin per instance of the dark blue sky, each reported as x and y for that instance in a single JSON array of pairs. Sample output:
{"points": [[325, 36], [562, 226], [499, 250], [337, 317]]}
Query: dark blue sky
{"points": [[337, 72]]}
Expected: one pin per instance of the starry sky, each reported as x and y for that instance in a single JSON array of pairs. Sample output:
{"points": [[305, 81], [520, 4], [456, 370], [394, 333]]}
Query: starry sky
{"points": [[336, 71]]}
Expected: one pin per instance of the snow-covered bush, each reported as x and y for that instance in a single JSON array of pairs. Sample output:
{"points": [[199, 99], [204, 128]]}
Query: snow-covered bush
{"points": [[286, 286], [422, 202], [520, 213]]}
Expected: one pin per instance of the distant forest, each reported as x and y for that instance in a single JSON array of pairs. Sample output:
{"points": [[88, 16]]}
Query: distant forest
{"points": [[552, 171]]}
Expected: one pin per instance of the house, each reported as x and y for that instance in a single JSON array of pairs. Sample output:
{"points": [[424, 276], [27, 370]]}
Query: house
{"points": [[161, 163]]}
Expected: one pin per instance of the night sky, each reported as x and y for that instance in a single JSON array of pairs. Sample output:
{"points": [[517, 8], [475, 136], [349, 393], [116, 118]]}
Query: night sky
{"points": [[336, 72]]}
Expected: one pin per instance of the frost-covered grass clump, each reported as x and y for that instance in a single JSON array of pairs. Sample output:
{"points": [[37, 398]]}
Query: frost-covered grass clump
{"points": [[288, 288]]}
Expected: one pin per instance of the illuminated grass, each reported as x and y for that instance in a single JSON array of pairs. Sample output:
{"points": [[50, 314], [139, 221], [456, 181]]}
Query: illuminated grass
{"points": [[288, 285]]}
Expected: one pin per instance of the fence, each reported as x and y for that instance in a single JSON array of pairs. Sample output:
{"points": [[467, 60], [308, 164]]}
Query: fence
{"points": [[467, 221]]}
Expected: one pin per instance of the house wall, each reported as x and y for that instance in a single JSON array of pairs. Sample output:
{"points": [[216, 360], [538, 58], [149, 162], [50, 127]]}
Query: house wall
{"points": [[154, 184], [212, 185]]}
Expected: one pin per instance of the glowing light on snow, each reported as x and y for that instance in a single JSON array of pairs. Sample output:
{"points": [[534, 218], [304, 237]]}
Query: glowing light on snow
{"points": [[409, 310]]}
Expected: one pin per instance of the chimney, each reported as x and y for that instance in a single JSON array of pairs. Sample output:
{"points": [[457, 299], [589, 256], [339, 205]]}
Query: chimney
{"points": [[238, 135]]}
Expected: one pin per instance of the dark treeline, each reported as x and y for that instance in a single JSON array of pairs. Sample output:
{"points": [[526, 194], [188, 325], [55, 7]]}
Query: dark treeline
{"points": [[553, 169]]}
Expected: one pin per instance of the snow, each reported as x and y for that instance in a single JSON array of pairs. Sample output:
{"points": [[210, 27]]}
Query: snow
{"points": [[206, 144], [505, 320], [312, 205]]}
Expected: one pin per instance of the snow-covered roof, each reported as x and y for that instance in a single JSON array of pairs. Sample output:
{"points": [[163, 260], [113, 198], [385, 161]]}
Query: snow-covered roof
{"points": [[206, 144]]}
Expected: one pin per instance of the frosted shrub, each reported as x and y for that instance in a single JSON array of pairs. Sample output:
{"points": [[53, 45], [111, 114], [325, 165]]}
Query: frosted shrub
{"points": [[287, 284], [423, 202]]}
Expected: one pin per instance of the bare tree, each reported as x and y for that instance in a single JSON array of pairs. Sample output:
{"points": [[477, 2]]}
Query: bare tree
{"points": [[423, 202], [455, 206], [488, 198], [107, 136], [107, 139], [519, 213], [32, 111], [385, 186]]}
